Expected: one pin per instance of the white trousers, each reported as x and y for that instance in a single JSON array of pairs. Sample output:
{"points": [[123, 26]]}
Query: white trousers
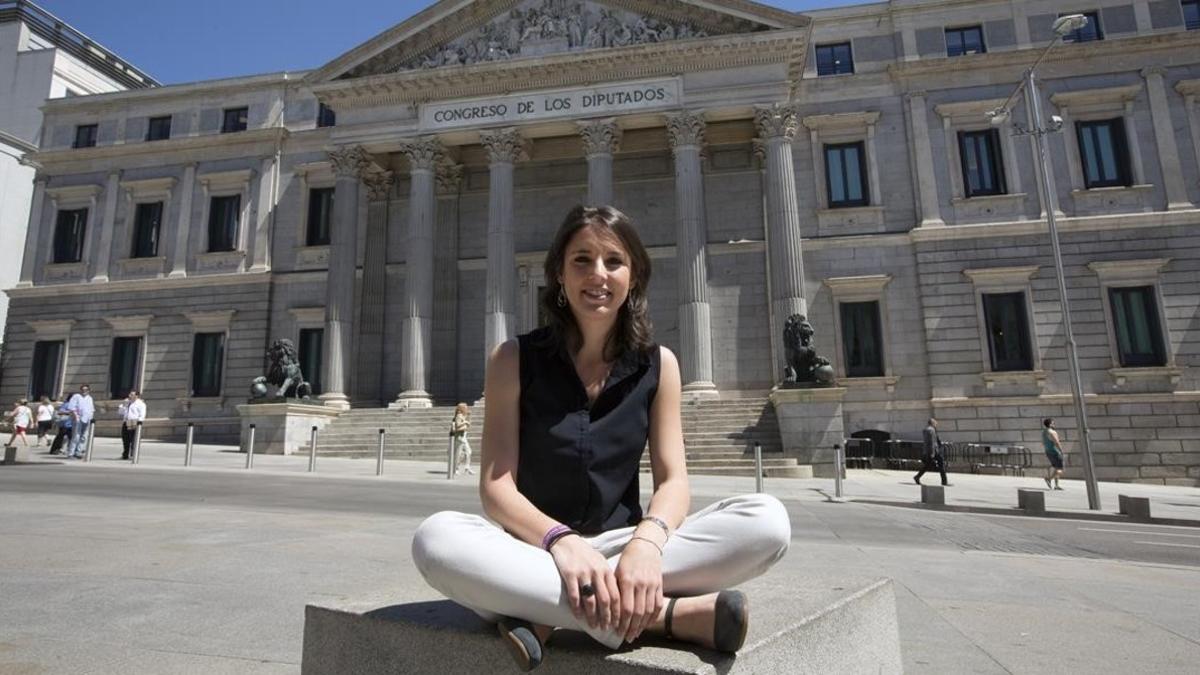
{"points": [[480, 566], [462, 453]]}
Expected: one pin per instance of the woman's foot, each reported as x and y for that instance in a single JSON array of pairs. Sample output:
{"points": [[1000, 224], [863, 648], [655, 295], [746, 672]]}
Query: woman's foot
{"points": [[523, 642], [718, 620]]}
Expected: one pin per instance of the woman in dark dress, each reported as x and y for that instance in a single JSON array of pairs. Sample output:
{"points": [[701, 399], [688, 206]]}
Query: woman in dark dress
{"points": [[570, 409]]}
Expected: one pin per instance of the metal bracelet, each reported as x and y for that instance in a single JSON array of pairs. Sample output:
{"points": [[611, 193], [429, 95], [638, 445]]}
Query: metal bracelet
{"points": [[659, 522], [652, 542]]}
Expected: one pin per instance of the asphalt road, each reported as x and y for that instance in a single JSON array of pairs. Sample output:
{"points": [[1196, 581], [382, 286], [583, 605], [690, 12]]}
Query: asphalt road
{"points": [[856, 524], [112, 570]]}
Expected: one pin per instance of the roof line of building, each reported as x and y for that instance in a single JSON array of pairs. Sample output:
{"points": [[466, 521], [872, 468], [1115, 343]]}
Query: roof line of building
{"points": [[75, 42]]}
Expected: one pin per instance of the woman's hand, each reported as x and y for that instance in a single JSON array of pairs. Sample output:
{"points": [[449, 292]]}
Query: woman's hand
{"points": [[578, 564], [639, 578]]}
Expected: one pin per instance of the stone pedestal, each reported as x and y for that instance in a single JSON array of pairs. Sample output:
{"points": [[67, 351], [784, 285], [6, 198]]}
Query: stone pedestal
{"points": [[810, 423], [15, 454], [283, 428], [799, 625]]}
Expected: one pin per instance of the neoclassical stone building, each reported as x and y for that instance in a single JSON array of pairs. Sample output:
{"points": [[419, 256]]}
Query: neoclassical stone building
{"points": [[389, 212]]}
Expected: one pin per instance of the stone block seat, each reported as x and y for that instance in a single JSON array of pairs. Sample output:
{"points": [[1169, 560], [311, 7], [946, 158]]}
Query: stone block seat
{"points": [[799, 624]]}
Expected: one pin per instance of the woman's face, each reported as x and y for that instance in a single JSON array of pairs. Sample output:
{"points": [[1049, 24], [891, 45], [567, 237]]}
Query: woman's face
{"points": [[595, 275]]}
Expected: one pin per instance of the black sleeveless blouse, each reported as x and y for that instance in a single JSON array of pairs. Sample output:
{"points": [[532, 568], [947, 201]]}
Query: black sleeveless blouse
{"points": [[578, 463]]}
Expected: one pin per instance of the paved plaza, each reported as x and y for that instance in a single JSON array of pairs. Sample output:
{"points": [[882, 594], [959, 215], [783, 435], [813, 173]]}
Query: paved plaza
{"points": [[112, 568]]}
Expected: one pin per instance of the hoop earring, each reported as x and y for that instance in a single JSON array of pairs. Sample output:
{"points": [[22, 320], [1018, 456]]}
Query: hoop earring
{"points": [[562, 297]]}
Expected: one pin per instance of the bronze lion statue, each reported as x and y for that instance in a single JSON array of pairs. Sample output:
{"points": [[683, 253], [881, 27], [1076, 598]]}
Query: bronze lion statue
{"points": [[803, 363], [283, 373]]}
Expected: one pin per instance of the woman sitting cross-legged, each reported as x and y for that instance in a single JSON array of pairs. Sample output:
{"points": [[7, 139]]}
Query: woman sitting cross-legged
{"points": [[570, 408]]}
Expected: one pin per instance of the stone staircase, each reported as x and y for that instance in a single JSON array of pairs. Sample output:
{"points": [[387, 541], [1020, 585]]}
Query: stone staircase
{"points": [[719, 436]]}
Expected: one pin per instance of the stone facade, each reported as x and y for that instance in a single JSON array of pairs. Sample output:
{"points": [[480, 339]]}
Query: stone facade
{"points": [[453, 176]]}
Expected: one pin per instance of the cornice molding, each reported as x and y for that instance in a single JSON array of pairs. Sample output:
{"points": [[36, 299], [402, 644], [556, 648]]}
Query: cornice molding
{"points": [[1128, 269], [853, 120], [170, 148], [1175, 46], [968, 108], [1072, 99], [994, 276], [71, 193], [861, 285], [149, 185]]}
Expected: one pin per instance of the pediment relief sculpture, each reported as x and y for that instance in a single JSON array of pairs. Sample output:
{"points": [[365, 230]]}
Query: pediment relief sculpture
{"points": [[540, 27]]}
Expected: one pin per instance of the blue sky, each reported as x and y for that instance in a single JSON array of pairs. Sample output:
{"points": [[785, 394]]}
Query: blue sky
{"points": [[188, 40]]}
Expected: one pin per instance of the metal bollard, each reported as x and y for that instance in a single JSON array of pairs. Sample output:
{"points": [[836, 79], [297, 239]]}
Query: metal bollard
{"points": [[87, 448], [250, 450], [758, 468], [839, 467], [187, 450], [450, 459], [312, 451], [379, 461], [137, 443]]}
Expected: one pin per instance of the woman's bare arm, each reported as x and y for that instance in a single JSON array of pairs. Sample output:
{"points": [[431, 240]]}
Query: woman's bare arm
{"points": [[671, 497], [498, 460]]}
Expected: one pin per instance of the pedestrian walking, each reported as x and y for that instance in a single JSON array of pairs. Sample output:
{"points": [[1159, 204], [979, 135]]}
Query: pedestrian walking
{"points": [[1054, 452], [932, 457], [462, 447], [82, 409], [45, 420], [22, 418], [570, 410], [132, 411]]}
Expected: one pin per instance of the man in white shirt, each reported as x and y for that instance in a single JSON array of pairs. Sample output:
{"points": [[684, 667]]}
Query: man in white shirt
{"points": [[82, 409], [132, 411]]}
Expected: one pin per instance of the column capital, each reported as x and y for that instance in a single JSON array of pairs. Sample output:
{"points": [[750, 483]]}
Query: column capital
{"points": [[423, 153], [758, 146], [910, 95], [379, 184], [776, 121], [505, 145], [351, 161], [1153, 71], [449, 176], [600, 137], [685, 128]]}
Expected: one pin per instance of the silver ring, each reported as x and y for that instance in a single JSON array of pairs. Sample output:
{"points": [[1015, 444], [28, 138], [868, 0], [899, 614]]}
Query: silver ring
{"points": [[587, 590]]}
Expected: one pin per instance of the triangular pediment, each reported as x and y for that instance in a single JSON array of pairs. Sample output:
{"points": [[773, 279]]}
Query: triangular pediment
{"points": [[453, 34]]}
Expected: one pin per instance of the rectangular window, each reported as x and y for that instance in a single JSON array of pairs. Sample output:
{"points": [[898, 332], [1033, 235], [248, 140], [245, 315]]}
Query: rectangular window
{"points": [[68, 235], [159, 128], [1089, 33], [1104, 153], [963, 41], [846, 175], [320, 214], [85, 136], [208, 357], [223, 215], [47, 369], [312, 342], [1136, 324], [147, 223], [236, 119], [1008, 331], [982, 168], [862, 339], [325, 116], [123, 368], [834, 59], [1191, 14]]}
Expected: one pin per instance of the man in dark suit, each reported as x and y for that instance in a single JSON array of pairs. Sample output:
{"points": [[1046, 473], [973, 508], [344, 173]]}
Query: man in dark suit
{"points": [[932, 458]]}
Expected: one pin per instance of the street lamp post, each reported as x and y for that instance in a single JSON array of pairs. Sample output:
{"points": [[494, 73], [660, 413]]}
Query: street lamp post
{"points": [[1038, 130]]}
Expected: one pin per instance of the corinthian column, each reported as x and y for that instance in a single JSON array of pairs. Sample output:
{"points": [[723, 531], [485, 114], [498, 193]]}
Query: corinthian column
{"points": [[374, 287], [686, 134], [349, 165], [601, 138], [424, 155], [505, 148], [777, 126]]}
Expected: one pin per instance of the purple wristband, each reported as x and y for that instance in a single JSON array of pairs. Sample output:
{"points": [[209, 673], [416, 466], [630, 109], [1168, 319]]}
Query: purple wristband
{"points": [[553, 534]]}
